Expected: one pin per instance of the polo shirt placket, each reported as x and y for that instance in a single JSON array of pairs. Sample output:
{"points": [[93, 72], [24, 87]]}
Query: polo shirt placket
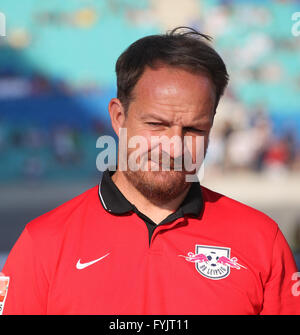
{"points": [[114, 202]]}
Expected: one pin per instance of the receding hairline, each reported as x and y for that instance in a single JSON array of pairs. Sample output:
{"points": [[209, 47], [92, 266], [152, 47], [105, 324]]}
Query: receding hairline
{"points": [[160, 64]]}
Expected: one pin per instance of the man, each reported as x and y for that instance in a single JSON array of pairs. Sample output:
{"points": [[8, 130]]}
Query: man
{"points": [[148, 241]]}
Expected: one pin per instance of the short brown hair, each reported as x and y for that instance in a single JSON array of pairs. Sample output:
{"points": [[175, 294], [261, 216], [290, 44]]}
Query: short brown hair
{"points": [[182, 47]]}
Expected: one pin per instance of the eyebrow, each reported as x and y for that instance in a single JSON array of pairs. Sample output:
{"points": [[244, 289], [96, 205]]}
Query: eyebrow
{"points": [[154, 116], [199, 124]]}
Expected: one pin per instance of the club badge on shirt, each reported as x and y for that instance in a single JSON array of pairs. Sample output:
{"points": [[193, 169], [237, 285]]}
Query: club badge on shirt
{"points": [[4, 281], [213, 262]]}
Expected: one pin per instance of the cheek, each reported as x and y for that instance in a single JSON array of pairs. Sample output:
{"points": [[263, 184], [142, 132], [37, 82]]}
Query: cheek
{"points": [[196, 145], [138, 140]]}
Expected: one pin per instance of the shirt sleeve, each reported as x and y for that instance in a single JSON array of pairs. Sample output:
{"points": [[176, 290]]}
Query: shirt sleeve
{"points": [[280, 294], [28, 285]]}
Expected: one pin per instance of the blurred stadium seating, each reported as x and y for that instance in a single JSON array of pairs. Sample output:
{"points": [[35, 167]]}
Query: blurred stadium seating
{"points": [[57, 76]]}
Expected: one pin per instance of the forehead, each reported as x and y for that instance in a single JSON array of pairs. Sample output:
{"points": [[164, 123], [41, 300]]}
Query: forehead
{"points": [[174, 89]]}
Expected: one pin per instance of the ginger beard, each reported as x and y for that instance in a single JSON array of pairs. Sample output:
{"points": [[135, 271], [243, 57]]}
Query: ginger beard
{"points": [[160, 186]]}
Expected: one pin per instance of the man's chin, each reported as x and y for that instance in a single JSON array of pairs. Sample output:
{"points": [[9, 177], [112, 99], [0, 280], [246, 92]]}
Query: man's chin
{"points": [[158, 186]]}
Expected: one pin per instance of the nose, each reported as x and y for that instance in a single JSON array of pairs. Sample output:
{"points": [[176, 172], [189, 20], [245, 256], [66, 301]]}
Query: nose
{"points": [[175, 135], [175, 131]]}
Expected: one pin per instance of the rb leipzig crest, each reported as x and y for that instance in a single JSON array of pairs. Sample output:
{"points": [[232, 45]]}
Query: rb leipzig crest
{"points": [[213, 262]]}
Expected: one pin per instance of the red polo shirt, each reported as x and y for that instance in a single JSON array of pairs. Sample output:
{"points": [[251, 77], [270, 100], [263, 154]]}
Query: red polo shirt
{"points": [[97, 254]]}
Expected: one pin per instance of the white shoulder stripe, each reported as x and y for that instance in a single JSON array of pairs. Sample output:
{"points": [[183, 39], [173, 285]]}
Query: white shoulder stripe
{"points": [[100, 195]]}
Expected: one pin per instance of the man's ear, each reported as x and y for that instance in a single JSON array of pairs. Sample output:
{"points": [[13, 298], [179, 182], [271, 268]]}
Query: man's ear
{"points": [[117, 114]]}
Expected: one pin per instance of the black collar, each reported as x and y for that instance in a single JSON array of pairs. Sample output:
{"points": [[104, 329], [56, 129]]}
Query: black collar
{"points": [[115, 202]]}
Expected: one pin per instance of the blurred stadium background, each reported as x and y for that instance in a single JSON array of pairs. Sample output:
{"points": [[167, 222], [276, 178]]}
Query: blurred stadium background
{"points": [[57, 77]]}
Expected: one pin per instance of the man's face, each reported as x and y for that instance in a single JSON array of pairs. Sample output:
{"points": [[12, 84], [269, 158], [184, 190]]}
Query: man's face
{"points": [[169, 101]]}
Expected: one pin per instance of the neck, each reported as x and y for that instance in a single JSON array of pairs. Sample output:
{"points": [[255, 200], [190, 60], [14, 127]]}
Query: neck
{"points": [[155, 212]]}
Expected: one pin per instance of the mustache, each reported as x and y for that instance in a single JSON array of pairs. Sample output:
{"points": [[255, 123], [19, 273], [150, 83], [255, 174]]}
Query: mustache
{"points": [[165, 161]]}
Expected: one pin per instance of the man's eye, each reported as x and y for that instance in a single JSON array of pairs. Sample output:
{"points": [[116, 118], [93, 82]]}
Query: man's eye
{"points": [[195, 130], [154, 123]]}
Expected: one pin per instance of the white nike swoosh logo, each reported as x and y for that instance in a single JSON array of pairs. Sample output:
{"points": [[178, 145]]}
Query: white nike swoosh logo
{"points": [[80, 266]]}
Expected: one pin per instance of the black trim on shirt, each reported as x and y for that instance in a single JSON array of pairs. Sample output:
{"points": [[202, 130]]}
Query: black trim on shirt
{"points": [[115, 202]]}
